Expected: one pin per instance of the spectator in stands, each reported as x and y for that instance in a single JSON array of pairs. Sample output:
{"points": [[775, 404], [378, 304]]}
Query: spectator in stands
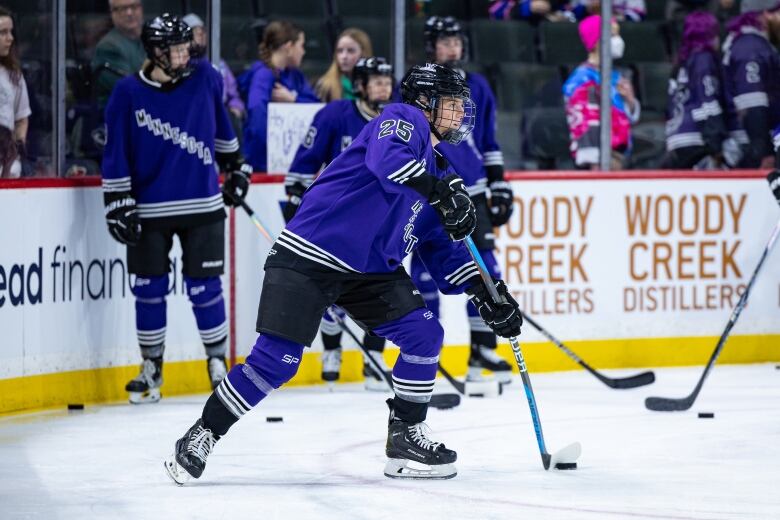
{"points": [[564, 10], [696, 129], [275, 77], [623, 10], [14, 100], [751, 66], [582, 97], [677, 10], [351, 45], [200, 43], [120, 52]]}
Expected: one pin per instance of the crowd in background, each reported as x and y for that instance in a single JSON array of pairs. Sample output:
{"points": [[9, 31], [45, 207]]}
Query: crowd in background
{"points": [[540, 57]]}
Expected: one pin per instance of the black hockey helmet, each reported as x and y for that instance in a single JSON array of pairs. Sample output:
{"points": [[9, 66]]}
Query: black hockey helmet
{"points": [[364, 69], [441, 27], [158, 35], [428, 86]]}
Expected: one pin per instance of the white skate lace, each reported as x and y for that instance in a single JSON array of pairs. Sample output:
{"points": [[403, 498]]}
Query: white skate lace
{"points": [[490, 355], [201, 443], [331, 360], [419, 434], [148, 369]]}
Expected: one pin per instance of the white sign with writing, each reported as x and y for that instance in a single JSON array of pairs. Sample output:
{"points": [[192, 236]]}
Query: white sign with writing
{"points": [[287, 126]]}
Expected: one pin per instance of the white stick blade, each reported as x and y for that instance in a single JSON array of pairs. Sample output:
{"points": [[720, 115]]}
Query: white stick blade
{"points": [[566, 455]]}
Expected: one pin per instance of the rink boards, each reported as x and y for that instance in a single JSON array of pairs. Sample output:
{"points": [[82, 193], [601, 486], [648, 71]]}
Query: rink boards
{"points": [[630, 270]]}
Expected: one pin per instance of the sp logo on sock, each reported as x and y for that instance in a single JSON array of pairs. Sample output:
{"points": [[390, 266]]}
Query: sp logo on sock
{"points": [[290, 360]]}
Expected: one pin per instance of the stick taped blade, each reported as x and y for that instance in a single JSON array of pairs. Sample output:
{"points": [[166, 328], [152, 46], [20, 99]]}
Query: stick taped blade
{"points": [[663, 404], [566, 456]]}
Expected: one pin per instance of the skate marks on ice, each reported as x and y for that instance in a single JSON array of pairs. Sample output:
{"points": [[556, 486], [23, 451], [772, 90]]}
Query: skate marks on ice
{"points": [[325, 460]]}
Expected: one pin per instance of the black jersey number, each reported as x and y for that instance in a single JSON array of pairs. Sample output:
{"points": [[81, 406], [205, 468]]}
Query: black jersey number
{"points": [[402, 128]]}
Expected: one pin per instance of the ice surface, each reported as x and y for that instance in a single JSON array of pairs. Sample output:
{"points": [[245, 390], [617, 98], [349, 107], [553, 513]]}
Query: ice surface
{"points": [[325, 460]]}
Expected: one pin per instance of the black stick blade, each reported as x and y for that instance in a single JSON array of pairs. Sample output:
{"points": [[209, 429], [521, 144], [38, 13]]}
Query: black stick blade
{"points": [[621, 383], [665, 404], [444, 401]]}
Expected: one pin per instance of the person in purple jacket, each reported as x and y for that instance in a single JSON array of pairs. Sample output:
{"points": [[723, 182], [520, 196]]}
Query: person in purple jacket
{"points": [[275, 77], [479, 161], [160, 180], [388, 194], [696, 129], [751, 75], [331, 132]]}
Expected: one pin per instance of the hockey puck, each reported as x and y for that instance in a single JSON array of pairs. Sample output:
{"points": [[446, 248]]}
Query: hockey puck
{"points": [[75, 406], [566, 465], [274, 419], [706, 415]]}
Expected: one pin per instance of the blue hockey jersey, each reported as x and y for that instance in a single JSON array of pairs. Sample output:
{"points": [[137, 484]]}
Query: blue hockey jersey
{"points": [[161, 144], [358, 217], [331, 132]]}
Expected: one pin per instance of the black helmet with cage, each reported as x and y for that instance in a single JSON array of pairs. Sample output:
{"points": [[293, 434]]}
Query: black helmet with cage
{"points": [[428, 87], [364, 69], [442, 27], [161, 33]]}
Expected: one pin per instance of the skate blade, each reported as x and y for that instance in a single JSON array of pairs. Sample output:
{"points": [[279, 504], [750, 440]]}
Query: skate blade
{"points": [[399, 468], [176, 473], [150, 396], [489, 388]]}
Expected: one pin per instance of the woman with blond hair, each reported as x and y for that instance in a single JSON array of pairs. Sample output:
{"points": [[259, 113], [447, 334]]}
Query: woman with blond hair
{"points": [[351, 45], [275, 77]]}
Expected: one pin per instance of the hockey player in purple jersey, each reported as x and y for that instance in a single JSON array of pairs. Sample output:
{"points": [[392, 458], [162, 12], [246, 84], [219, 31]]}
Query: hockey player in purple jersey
{"points": [[388, 194], [160, 180], [333, 129], [479, 161], [751, 73]]}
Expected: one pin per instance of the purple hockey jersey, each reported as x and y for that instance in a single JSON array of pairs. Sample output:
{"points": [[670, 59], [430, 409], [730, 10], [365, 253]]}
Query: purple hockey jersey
{"points": [[751, 75], [161, 144], [331, 132], [358, 217], [695, 115]]}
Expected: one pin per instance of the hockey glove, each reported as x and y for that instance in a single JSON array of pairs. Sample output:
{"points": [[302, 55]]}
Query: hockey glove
{"points": [[503, 318], [123, 221], [774, 183], [236, 185], [456, 211], [501, 200]]}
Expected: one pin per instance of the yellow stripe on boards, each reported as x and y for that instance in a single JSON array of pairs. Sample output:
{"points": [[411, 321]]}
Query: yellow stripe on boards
{"points": [[190, 377]]}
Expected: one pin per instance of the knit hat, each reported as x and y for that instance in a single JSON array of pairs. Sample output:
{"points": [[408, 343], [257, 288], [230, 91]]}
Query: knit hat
{"points": [[590, 30], [193, 20], [748, 6]]}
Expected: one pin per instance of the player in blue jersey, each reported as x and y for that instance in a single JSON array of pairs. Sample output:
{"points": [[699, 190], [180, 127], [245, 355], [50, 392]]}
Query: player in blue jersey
{"points": [[479, 161], [167, 130], [332, 130], [388, 194]]}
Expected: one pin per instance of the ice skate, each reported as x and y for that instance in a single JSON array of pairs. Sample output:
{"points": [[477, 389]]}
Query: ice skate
{"points": [[217, 367], [412, 455], [483, 358], [375, 382], [192, 450], [145, 387], [331, 365]]}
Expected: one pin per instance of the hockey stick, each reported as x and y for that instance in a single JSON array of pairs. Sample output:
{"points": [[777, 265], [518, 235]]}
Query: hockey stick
{"points": [[565, 458], [666, 404], [440, 401], [642, 379]]}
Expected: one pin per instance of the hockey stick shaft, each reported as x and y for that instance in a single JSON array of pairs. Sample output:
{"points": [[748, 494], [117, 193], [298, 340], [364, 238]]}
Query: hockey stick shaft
{"points": [[645, 378], [256, 220], [529, 391], [670, 404]]}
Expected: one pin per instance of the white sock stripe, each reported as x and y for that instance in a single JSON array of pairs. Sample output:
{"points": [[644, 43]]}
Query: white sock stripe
{"points": [[413, 381], [419, 360], [220, 330], [403, 391], [229, 386], [229, 404]]}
